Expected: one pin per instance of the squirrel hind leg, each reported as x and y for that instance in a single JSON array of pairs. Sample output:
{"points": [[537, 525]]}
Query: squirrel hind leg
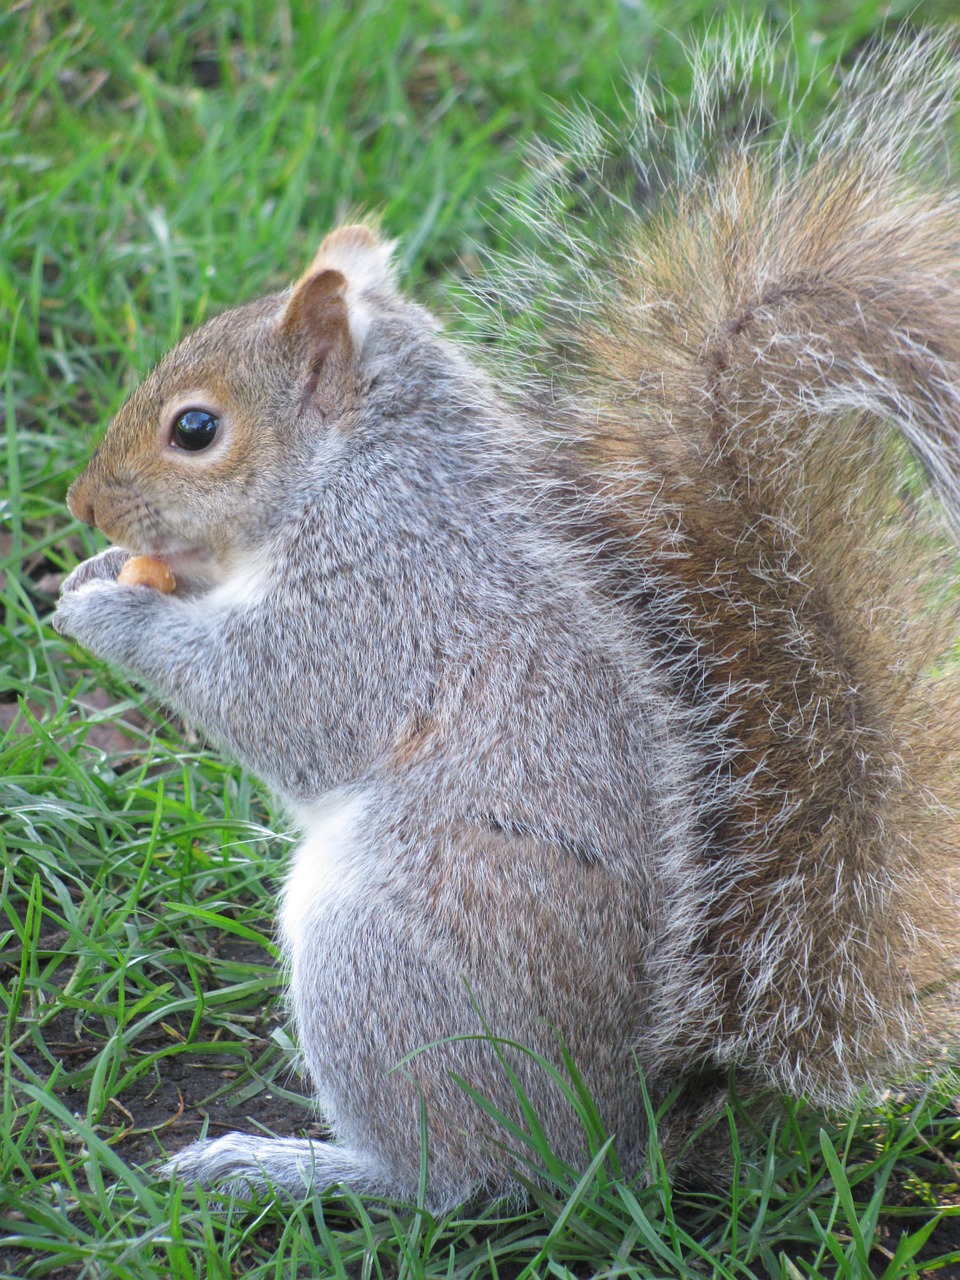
{"points": [[246, 1164]]}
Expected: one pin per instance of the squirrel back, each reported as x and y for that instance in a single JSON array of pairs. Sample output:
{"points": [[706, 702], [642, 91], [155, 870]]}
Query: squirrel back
{"points": [[750, 337]]}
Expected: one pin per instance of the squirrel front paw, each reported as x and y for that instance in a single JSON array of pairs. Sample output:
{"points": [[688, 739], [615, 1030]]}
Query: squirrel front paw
{"points": [[95, 609], [104, 566], [113, 621], [79, 612]]}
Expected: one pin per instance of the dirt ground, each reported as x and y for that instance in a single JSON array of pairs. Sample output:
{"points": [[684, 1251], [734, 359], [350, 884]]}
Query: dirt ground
{"points": [[157, 1113], [172, 1106]]}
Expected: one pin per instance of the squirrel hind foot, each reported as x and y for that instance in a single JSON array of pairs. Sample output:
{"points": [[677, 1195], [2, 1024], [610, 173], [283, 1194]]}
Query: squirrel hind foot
{"points": [[249, 1165]]}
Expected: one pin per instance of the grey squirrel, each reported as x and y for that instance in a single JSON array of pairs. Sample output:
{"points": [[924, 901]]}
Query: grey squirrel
{"points": [[610, 696]]}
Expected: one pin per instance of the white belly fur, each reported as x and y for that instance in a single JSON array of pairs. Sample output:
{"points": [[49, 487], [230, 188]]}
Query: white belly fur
{"points": [[328, 867]]}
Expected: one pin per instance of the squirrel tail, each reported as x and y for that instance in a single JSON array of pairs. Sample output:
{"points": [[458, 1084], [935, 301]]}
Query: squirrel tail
{"points": [[764, 338]]}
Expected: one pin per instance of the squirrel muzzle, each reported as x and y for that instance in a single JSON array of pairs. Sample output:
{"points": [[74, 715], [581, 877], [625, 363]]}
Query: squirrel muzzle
{"points": [[80, 500]]}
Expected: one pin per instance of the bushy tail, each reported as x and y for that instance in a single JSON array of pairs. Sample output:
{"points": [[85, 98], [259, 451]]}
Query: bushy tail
{"points": [[755, 325]]}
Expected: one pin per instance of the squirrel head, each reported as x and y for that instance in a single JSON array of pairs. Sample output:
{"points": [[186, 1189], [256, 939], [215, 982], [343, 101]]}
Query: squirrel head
{"points": [[206, 455]]}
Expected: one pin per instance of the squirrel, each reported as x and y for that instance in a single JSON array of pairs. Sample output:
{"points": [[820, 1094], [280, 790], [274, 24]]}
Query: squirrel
{"points": [[611, 691]]}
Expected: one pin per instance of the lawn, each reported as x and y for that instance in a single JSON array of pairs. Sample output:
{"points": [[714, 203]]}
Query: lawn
{"points": [[156, 164]]}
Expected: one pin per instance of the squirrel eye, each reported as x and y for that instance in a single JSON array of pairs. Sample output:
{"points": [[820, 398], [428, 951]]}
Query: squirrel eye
{"points": [[195, 429]]}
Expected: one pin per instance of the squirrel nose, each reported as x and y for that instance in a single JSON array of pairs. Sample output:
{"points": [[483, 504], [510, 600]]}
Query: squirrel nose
{"points": [[80, 506]]}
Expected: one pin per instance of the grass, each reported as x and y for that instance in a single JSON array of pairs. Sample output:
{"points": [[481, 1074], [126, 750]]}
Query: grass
{"points": [[156, 163]]}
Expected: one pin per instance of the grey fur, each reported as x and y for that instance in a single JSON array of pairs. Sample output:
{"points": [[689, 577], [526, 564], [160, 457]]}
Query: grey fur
{"points": [[417, 585]]}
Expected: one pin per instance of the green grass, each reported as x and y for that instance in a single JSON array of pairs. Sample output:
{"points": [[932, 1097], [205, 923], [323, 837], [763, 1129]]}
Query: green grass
{"points": [[156, 163]]}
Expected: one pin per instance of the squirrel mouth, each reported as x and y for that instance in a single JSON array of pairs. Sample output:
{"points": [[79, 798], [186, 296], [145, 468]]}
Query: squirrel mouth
{"points": [[195, 563]]}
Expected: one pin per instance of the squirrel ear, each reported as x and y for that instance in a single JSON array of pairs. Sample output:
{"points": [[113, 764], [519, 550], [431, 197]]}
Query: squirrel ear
{"points": [[317, 313], [360, 254], [327, 305]]}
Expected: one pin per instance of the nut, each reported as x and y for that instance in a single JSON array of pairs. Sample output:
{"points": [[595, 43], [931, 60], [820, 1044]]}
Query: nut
{"points": [[145, 571]]}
